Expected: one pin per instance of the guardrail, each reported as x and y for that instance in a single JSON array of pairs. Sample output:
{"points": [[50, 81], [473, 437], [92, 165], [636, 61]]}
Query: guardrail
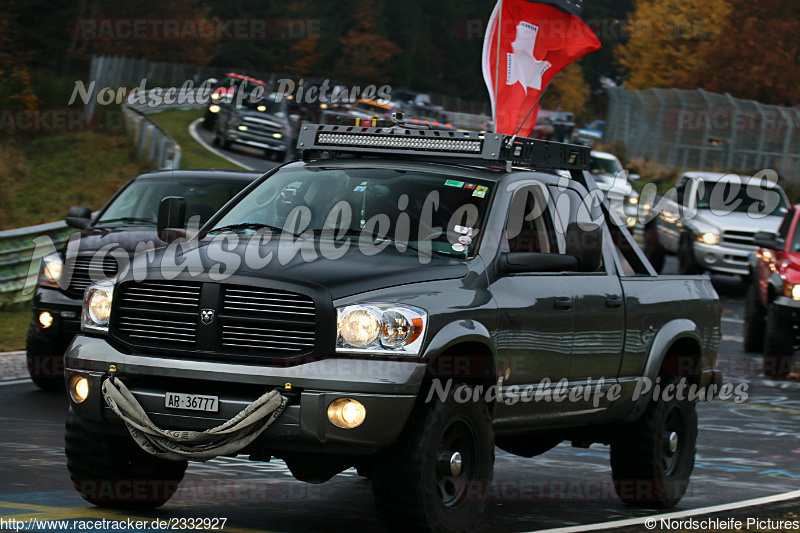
{"points": [[19, 257]]}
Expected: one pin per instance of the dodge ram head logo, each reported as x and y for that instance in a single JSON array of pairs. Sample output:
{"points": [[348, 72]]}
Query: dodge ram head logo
{"points": [[207, 316]]}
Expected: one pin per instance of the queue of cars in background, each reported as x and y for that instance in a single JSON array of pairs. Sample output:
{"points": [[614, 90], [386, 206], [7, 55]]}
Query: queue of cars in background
{"points": [[711, 221], [128, 219], [772, 305]]}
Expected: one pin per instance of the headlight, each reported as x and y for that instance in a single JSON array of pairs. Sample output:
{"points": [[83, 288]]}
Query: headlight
{"points": [[242, 128], [97, 307], [633, 200], [708, 238], [380, 328], [214, 109], [792, 291], [51, 271]]}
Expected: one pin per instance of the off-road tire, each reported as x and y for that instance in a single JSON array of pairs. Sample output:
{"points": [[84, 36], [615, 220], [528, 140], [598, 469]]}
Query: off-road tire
{"points": [[645, 473], [687, 262], [44, 357], [406, 484], [754, 322], [106, 469], [779, 339]]}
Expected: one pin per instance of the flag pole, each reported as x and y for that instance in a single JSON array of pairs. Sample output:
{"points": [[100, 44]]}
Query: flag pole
{"points": [[497, 65]]}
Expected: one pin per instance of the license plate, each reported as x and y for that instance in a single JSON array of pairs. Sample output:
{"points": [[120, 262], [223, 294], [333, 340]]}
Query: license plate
{"points": [[191, 402]]}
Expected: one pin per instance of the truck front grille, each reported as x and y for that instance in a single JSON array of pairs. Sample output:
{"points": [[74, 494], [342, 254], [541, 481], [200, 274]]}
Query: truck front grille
{"points": [[85, 271], [251, 322], [739, 238], [152, 312], [267, 319]]}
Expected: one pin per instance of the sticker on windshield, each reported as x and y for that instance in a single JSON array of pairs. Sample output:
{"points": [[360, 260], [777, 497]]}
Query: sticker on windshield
{"points": [[458, 247], [464, 239], [463, 229], [479, 194], [454, 183], [361, 188], [469, 186]]}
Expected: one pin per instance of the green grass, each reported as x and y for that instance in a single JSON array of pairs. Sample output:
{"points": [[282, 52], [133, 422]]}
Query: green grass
{"points": [[43, 174], [193, 154], [15, 328]]}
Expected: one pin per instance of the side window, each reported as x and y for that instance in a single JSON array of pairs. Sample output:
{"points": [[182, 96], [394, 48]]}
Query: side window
{"points": [[529, 227]]}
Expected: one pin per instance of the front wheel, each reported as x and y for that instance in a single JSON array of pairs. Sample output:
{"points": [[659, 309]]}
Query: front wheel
{"points": [[112, 471], [779, 340], [436, 476], [754, 317], [652, 458], [45, 359]]}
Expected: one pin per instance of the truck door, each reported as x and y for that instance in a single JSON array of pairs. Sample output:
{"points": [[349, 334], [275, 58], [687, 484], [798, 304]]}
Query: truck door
{"points": [[535, 337], [598, 303]]}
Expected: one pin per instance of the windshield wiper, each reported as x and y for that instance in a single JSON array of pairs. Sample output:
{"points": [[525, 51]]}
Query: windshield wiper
{"points": [[128, 220], [252, 225], [375, 236]]}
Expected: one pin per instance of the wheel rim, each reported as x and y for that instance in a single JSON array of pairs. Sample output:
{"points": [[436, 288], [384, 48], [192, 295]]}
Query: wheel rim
{"points": [[455, 465], [672, 440]]}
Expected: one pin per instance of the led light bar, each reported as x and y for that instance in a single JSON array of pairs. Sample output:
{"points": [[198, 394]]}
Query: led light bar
{"points": [[400, 140]]}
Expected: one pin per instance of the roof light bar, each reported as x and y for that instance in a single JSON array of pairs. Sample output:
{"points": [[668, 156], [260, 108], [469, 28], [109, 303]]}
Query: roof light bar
{"points": [[398, 140]]}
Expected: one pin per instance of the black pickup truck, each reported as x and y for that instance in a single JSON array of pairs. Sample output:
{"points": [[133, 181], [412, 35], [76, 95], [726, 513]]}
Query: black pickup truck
{"points": [[417, 297], [128, 220]]}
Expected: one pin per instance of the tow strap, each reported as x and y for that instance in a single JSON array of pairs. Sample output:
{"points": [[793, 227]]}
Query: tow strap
{"points": [[181, 445]]}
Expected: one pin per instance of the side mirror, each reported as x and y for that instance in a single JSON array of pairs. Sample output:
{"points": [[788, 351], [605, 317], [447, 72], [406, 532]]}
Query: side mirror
{"points": [[78, 217], [586, 246], [769, 240], [171, 218], [519, 262]]}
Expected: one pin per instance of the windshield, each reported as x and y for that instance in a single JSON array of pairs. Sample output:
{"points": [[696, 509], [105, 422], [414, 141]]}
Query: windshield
{"points": [[430, 211], [608, 167], [138, 203], [264, 105], [727, 197]]}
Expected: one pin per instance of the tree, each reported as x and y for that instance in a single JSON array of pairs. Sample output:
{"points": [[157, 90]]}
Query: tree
{"points": [[755, 55], [670, 39], [568, 90], [364, 51]]}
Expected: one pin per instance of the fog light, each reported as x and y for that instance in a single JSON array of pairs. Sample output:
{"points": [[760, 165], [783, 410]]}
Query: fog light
{"points": [[45, 319], [346, 413], [711, 258], [214, 109], [78, 388]]}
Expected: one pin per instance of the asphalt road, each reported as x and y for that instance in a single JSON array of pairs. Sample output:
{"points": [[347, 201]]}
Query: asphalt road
{"points": [[745, 451]]}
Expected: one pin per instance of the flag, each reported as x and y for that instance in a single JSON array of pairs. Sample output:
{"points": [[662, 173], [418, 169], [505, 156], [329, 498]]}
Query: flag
{"points": [[536, 40]]}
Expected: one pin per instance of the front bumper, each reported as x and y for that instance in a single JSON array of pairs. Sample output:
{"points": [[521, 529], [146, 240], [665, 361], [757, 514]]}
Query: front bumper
{"points": [[724, 259], [66, 313], [260, 141], [387, 389]]}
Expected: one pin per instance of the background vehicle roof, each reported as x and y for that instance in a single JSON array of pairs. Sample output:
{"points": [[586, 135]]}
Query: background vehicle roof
{"points": [[719, 176]]}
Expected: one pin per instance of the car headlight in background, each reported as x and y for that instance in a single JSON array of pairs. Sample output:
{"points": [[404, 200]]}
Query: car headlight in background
{"points": [[791, 290], [96, 311], [380, 328], [51, 270], [708, 237], [214, 108]]}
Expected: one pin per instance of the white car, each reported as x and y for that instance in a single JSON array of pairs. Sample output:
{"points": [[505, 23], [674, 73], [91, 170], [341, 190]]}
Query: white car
{"points": [[610, 177]]}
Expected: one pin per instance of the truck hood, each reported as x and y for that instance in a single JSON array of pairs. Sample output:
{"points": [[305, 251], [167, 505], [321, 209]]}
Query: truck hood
{"points": [[737, 221], [352, 273], [124, 237]]}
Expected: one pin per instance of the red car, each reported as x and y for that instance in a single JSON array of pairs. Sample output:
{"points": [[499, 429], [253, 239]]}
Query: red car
{"points": [[772, 308]]}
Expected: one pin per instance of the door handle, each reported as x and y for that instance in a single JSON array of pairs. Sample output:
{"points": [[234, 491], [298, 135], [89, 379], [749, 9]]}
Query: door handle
{"points": [[563, 303], [613, 301]]}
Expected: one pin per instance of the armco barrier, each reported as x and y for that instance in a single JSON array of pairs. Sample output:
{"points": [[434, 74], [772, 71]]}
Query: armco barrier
{"points": [[19, 257]]}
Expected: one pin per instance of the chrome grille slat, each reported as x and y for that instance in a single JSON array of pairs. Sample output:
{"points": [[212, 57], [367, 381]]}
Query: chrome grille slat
{"points": [[259, 346]]}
